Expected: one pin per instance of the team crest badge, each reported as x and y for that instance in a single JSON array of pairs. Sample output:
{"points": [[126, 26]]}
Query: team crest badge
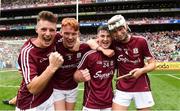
{"points": [[135, 51], [78, 55]]}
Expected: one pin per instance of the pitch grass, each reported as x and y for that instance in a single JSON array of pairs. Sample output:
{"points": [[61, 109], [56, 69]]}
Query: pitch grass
{"points": [[165, 90]]}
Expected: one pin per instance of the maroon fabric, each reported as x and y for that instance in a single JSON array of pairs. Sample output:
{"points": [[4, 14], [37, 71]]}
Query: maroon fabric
{"points": [[33, 61], [63, 78], [129, 56], [98, 91]]}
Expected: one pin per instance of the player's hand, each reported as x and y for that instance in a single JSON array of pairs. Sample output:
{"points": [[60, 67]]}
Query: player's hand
{"points": [[76, 46], [136, 73], [85, 75], [108, 52], [93, 44], [55, 61]]}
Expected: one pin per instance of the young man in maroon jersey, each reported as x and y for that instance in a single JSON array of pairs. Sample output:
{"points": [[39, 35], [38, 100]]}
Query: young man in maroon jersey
{"points": [[131, 52], [97, 70], [38, 63], [65, 88]]}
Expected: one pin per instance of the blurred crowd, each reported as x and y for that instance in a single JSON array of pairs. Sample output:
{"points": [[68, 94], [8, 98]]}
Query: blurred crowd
{"points": [[21, 3], [130, 21], [9, 50], [165, 46]]}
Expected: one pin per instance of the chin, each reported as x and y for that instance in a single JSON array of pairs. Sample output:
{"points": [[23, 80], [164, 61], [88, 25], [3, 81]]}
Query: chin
{"points": [[48, 44], [105, 47], [70, 46]]}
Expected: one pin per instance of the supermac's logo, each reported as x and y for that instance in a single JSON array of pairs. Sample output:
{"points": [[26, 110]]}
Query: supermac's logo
{"points": [[101, 75], [126, 60]]}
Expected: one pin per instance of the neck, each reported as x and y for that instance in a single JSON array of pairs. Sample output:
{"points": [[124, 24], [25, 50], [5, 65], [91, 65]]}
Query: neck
{"points": [[67, 47], [37, 43], [127, 39]]}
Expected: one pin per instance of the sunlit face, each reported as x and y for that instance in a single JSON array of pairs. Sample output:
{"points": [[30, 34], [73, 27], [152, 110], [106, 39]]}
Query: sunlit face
{"points": [[46, 33], [120, 34], [69, 36], [104, 39]]}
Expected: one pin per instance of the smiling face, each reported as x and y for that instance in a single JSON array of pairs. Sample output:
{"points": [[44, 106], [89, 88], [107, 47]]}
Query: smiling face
{"points": [[120, 34], [104, 39], [69, 32], [69, 36], [46, 31]]}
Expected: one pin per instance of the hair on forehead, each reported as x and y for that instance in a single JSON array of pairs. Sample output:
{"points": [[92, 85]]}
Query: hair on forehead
{"points": [[71, 22], [47, 15], [103, 27]]}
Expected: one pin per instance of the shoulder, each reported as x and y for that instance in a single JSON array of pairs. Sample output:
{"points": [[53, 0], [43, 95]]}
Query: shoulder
{"points": [[139, 38], [58, 38], [27, 46], [84, 45], [26, 50], [90, 53]]}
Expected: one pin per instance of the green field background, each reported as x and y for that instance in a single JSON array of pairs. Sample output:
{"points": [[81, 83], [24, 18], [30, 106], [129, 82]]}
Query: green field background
{"points": [[165, 90]]}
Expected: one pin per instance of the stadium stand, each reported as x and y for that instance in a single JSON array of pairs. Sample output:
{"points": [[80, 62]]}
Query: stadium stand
{"points": [[157, 20]]}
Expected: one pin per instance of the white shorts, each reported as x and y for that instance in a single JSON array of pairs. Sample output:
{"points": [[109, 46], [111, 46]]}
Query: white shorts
{"points": [[45, 106], [141, 99], [69, 96], [90, 109]]}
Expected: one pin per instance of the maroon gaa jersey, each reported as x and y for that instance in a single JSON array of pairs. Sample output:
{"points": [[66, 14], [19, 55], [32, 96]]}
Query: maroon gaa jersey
{"points": [[129, 56], [98, 91], [33, 61], [63, 78]]}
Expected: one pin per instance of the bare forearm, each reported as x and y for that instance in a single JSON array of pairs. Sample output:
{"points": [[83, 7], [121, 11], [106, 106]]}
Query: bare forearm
{"points": [[92, 44], [40, 82], [149, 67]]}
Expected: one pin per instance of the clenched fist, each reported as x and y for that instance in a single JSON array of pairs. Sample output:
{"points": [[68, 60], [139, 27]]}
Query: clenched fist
{"points": [[85, 75], [55, 60]]}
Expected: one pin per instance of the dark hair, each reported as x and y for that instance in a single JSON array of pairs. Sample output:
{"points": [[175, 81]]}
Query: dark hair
{"points": [[47, 15], [103, 27]]}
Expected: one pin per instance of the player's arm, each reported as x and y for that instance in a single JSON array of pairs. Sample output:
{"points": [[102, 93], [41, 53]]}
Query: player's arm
{"points": [[38, 83], [151, 62], [82, 75], [150, 66], [93, 44]]}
